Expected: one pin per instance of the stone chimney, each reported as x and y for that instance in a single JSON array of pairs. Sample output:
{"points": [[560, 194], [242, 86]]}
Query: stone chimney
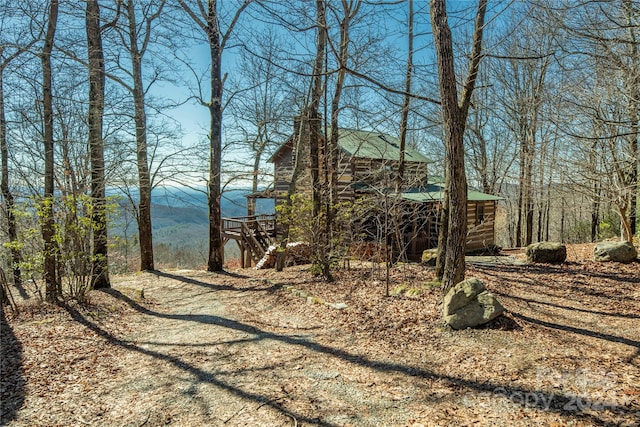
{"points": [[296, 125], [300, 148]]}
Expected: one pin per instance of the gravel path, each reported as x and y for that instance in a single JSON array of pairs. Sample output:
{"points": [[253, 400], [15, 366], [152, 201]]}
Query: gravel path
{"points": [[200, 365]]}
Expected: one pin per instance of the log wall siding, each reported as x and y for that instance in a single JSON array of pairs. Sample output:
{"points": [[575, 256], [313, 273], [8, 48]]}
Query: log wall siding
{"points": [[480, 233], [350, 171], [481, 218]]}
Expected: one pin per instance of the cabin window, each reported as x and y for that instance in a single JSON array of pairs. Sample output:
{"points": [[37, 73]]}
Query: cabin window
{"points": [[479, 213]]}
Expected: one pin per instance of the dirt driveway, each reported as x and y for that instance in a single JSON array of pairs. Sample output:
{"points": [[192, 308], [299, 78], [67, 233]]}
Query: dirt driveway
{"points": [[191, 348]]}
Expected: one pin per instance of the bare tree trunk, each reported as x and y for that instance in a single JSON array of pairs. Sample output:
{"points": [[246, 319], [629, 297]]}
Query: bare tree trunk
{"points": [[625, 225], [216, 246], [322, 237], [529, 195], [100, 274], [350, 9], [406, 104], [482, 162], [595, 205], [251, 202], [547, 212], [562, 220], [443, 232], [12, 232], [144, 180], [300, 147], [521, 196], [312, 111], [595, 218], [634, 120], [208, 21], [454, 114], [542, 201], [48, 223], [404, 119]]}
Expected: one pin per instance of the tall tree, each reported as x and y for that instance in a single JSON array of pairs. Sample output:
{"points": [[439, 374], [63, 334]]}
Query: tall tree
{"points": [[491, 154], [137, 39], [7, 194], [406, 103], [207, 19], [454, 116], [350, 9], [313, 113], [48, 224], [5, 190], [100, 273]]}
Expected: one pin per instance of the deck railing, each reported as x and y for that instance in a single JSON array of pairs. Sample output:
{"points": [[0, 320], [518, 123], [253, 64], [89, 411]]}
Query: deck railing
{"points": [[263, 222]]}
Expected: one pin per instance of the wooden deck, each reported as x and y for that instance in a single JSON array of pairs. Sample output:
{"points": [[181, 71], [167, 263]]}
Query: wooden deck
{"points": [[253, 234]]}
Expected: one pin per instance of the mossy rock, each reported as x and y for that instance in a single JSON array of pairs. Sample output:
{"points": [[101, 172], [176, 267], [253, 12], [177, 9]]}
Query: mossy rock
{"points": [[468, 305], [546, 252], [398, 290], [429, 257], [623, 252]]}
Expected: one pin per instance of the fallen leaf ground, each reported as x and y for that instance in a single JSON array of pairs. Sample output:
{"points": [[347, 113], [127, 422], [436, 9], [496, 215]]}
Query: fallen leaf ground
{"points": [[252, 347]]}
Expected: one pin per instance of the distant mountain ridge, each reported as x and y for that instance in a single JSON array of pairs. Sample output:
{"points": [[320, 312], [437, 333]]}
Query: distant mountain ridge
{"points": [[180, 216]]}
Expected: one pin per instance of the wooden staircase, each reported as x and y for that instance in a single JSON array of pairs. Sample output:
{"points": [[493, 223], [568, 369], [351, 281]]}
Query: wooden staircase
{"points": [[253, 234]]}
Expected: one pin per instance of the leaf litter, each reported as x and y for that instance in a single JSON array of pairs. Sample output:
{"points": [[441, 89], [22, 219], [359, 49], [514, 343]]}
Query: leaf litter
{"points": [[241, 348]]}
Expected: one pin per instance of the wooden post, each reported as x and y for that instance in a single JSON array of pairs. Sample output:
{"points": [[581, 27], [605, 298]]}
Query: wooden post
{"points": [[414, 232]]}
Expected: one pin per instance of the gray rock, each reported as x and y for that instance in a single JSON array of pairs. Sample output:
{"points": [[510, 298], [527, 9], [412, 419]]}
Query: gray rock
{"points": [[468, 304], [337, 305], [615, 251], [546, 252], [429, 257]]}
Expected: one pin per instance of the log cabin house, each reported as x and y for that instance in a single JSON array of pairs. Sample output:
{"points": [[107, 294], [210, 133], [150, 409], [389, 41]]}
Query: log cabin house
{"points": [[367, 166]]}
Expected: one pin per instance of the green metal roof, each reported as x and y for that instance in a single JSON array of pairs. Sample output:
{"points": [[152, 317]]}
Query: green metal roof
{"points": [[427, 196], [477, 196], [430, 196], [369, 145], [375, 145]]}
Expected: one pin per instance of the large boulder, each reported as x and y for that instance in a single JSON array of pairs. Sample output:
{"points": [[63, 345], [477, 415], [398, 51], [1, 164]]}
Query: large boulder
{"points": [[615, 251], [429, 257], [546, 252], [468, 304]]}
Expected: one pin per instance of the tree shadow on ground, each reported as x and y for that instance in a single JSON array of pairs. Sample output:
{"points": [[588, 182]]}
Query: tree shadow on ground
{"points": [[564, 268], [502, 323], [192, 281], [554, 401], [579, 331], [564, 307], [12, 384], [202, 375], [539, 277]]}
